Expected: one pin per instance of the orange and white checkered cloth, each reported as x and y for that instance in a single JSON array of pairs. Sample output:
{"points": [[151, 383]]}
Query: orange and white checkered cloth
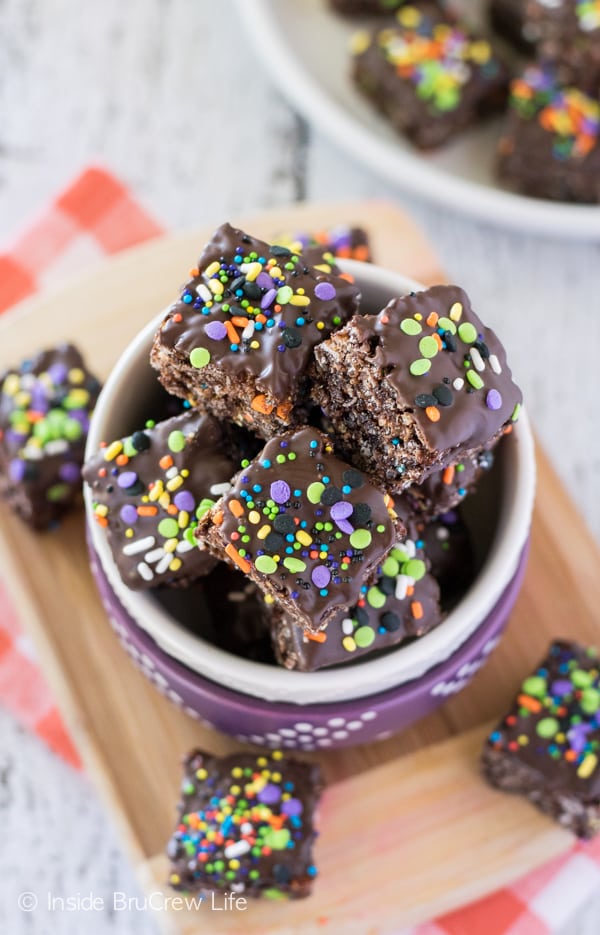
{"points": [[94, 217]]}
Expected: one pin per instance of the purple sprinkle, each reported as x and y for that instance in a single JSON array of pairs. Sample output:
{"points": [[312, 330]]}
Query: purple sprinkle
{"points": [[268, 298], [17, 471], [269, 794], [341, 510], [561, 687], [321, 576], [129, 514], [577, 736], [184, 501], [127, 479], [325, 291], [58, 373], [216, 330], [345, 526], [292, 807], [69, 472], [280, 491], [493, 400], [264, 280]]}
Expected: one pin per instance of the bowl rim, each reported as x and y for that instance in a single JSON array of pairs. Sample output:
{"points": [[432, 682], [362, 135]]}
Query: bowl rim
{"points": [[369, 676]]}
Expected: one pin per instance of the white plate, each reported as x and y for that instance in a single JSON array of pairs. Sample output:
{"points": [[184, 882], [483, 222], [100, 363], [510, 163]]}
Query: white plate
{"points": [[304, 47]]}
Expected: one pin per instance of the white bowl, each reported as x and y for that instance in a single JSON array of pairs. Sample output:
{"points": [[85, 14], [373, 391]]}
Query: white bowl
{"points": [[501, 521]]}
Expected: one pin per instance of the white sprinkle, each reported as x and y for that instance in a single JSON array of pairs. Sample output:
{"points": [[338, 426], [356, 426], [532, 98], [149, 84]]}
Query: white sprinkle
{"points": [[56, 447], [155, 555], [495, 364], [347, 626], [402, 583], [145, 572], [184, 546], [139, 545], [204, 292], [247, 827], [172, 472], [248, 331], [218, 490], [27, 381], [442, 533], [32, 453], [477, 359], [458, 383], [164, 563], [237, 849]]}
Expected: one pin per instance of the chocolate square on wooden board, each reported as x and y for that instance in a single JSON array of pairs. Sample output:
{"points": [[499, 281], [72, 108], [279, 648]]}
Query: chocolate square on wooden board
{"points": [[246, 825], [45, 408], [308, 528], [547, 748], [415, 388], [239, 340]]}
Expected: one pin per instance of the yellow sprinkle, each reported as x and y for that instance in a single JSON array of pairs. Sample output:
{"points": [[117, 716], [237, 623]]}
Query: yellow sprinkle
{"points": [[455, 313], [129, 533], [183, 519], [587, 766], [175, 878], [320, 325], [175, 564], [165, 500], [269, 599], [252, 271], [409, 17], [303, 537], [276, 777], [275, 272], [480, 51], [79, 397], [175, 483], [157, 491], [349, 644], [299, 300], [214, 267], [277, 755], [254, 517], [216, 286], [11, 384], [23, 399], [235, 790], [170, 545], [237, 772], [234, 863], [76, 375], [263, 532], [185, 472], [254, 345], [201, 773], [261, 761], [113, 451], [101, 510]]}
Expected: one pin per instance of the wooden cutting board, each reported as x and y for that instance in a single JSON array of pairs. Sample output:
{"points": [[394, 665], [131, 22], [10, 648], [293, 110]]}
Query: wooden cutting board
{"points": [[408, 829]]}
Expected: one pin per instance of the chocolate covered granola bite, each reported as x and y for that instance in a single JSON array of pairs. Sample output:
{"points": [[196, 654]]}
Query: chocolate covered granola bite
{"points": [[246, 825], [239, 341], [443, 490], [309, 529], [45, 408], [416, 388], [323, 248], [430, 76], [550, 147], [547, 747], [149, 489]]}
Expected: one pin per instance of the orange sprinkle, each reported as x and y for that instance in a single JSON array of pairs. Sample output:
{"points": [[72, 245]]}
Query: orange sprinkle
{"points": [[102, 472], [438, 341], [236, 508], [361, 253], [260, 404], [232, 333], [166, 462], [194, 271], [529, 703], [239, 320], [570, 755], [433, 413], [172, 509], [101, 520], [261, 318], [237, 559], [347, 277], [218, 518], [277, 308], [448, 475], [34, 416], [343, 252], [410, 590], [147, 510], [177, 317], [122, 460], [417, 609], [385, 320], [432, 319], [508, 429], [316, 637]]}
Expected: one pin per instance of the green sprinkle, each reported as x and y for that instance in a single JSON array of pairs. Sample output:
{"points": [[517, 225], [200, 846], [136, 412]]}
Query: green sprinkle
{"points": [[168, 528], [547, 727], [199, 357], [446, 324], [360, 539], [428, 346], [516, 413], [364, 636], [419, 367], [590, 700], [535, 686], [57, 492], [277, 840], [284, 294], [273, 894], [415, 568], [581, 678], [176, 441], [375, 598], [467, 332], [265, 564], [294, 565], [474, 379], [204, 506], [314, 491], [73, 430], [410, 326], [391, 567]]}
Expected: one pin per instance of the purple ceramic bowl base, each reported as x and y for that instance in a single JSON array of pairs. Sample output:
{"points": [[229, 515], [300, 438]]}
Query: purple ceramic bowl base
{"points": [[308, 727]]}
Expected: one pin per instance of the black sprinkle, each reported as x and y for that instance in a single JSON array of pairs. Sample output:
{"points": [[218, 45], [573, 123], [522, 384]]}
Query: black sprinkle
{"points": [[390, 621], [353, 478], [291, 337], [140, 441], [238, 283], [246, 239], [423, 400], [361, 616], [284, 523], [135, 491], [361, 514], [387, 585], [273, 542], [276, 250], [483, 349], [443, 394], [281, 873], [449, 341], [252, 291], [331, 495]]}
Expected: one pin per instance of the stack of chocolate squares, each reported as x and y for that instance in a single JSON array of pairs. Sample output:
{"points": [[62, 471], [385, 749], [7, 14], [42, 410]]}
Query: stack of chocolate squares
{"points": [[354, 432]]}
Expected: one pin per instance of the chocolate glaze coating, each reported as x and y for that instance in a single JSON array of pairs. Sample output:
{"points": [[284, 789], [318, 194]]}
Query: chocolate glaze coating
{"points": [[45, 408], [546, 747], [444, 490], [268, 850], [147, 489], [449, 549], [240, 339], [268, 525], [415, 388]]}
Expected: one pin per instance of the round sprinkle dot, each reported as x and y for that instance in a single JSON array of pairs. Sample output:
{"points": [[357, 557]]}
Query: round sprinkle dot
{"points": [[376, 598], [216, 330], [176, 441], [168, 528], [184, 501], [410, 326], [419, 367], [364, 636], [199, 357], [391, 567], [280, 491], [360, 539], [535, 685], [493, 400], [428, 346], [127, 479], [415, 568], [547, 727], [314, 491], [341, 510], [467, 332], [325, 291], [321, 576], [295, 565], [128, 514], [265, 564], [349, 644]]}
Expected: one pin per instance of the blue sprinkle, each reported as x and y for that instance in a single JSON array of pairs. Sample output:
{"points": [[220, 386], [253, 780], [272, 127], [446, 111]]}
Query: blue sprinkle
{"points": [[300, 322], [314, 444], [266, 463], [325, 479], [346, 488], [234, 347], [187, 298]]}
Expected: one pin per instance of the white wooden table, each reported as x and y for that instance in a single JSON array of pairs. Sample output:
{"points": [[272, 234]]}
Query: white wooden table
{"points": [[167, 94]]}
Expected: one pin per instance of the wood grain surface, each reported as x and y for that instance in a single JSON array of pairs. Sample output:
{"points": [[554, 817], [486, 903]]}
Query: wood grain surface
{"points": [[416, 799]]}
